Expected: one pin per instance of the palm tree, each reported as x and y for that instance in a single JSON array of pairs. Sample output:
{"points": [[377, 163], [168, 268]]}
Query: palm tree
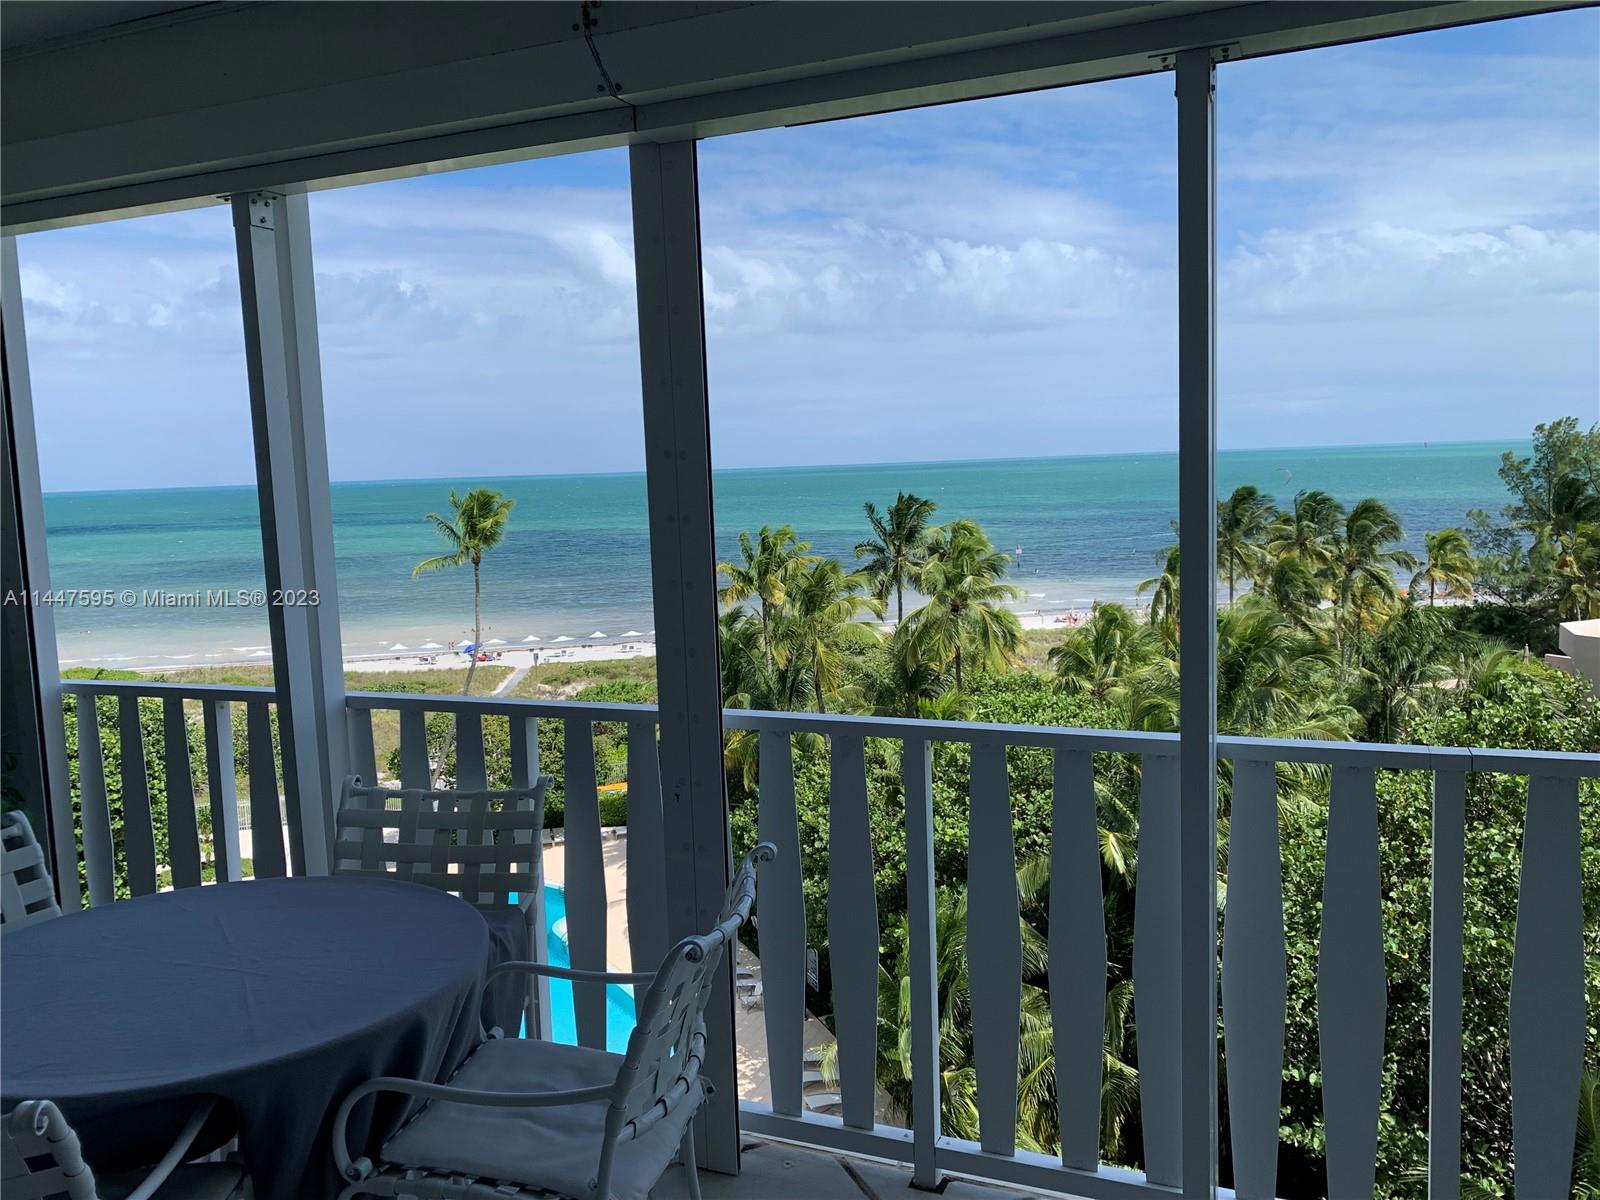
{"points": [[1270, 681], [1244, 521], [766, 566], [1272, 678], [476, 526], [1038, 1127], [820, 623], [1577, 573], [1306, 529], [1362, 564], [749, 682], [1573, 500], [895, 552], [1586, 1172], [1293, 588], [1447, 564], [1095, 657], [898, 682], [963, 619], [1410, 655], [1163, 589]]}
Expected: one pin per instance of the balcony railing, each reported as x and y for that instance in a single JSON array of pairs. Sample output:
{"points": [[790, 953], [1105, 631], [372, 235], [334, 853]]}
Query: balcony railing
{"points": [[1546, 1019]]}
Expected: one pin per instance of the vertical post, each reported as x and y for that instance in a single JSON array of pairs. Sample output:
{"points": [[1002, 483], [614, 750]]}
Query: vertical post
{"points": [[1447, 917], [280, 334], [677, 443], [922, 922], [30, 629], [1197, 558]]}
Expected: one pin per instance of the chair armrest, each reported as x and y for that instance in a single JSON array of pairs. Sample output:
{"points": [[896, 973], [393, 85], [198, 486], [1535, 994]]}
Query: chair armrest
{"points": [[533, 968], [352, 1171], [175, 1153]]}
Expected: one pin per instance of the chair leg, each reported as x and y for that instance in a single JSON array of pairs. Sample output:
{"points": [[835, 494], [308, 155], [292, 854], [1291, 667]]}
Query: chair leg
{"points": [[691, 1171]]}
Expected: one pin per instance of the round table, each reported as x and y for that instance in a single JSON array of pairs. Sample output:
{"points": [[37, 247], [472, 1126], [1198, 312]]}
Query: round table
{"points": [[278, 995]]}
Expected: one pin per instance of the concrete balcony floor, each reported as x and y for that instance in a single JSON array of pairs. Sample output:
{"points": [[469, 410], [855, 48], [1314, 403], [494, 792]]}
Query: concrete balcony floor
{"points": [[780, 1171]]}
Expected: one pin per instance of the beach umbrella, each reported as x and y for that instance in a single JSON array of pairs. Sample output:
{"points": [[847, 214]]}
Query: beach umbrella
{"points": [[563, 638], [596, 634], [532, 637], [495, 642], [398, 646], [430, 646], [630, 633]]}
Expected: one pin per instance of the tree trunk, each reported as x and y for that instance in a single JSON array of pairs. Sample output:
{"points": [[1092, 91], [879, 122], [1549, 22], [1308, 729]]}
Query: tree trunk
{"points": [[437, 776], [766, 636], [1432, 585], [899, 603], [477, 604], [958, 666]]}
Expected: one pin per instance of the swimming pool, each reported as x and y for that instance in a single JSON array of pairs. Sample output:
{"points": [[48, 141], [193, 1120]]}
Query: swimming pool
{"points": [[619, 1000]]}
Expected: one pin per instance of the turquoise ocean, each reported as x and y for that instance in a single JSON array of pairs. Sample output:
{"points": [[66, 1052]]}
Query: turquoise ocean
{"points": [[576, 559]]}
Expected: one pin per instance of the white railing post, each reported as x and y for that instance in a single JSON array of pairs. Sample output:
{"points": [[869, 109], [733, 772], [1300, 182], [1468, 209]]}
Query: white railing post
{"points": [[922, 928], [1547, 1011], [273, 238], [1197, 541], [677, 443], [1445, 937], [30, 631]]}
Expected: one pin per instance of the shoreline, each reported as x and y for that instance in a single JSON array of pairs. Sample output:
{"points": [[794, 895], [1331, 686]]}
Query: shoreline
{"points": [[522, 656], [518, 656]]}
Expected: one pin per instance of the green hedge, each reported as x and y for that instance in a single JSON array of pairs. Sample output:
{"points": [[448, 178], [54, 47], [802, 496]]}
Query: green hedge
{"points": [[610, 747], [152, 725]]}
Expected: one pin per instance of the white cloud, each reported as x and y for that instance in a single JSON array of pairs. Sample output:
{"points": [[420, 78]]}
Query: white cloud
{"points": [[1410, 235]]}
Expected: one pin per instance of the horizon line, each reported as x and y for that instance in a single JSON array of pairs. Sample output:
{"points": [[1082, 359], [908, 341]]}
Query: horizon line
{"points": [[837, 466]]}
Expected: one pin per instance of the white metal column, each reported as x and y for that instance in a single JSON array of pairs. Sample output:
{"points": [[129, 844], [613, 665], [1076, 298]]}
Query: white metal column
{"points": [[1197, 542], [39, 621], [280, 333], [672, 360]]}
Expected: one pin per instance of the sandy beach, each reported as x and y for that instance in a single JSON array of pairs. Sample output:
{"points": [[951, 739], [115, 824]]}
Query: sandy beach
{"points": [[577, 651], [517, 656]]}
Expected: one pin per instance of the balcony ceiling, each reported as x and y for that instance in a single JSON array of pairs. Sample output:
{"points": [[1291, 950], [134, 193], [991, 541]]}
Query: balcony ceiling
{"points": [[27, 23], [113, 108]]}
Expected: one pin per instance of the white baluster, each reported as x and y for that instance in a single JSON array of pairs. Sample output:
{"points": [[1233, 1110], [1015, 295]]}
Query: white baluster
{"points": [[1255, 982]]}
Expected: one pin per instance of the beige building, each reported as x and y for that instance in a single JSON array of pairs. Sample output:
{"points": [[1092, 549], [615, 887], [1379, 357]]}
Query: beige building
{"points": [[1580, 652]]}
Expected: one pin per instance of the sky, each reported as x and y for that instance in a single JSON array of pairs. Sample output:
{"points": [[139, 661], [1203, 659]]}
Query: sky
{"points": [[1408, 247]]}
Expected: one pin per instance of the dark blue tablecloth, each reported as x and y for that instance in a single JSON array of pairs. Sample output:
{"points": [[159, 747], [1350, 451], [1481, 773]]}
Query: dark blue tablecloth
{"points": [[510, 940], [277, 995]]}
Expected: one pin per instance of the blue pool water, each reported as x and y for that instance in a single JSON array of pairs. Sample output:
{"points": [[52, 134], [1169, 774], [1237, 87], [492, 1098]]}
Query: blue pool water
{"points": [[619, 1000]]}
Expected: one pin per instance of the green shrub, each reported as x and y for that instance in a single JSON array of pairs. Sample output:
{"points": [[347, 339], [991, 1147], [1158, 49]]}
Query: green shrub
{"points": [[611, 761], [152, 725], [613, 808]]}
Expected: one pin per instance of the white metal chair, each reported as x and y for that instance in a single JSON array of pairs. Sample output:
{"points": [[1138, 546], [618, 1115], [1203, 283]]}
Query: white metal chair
{"points": [[27, 893], [607, 1125], [483, 846], [43, 1160]]}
